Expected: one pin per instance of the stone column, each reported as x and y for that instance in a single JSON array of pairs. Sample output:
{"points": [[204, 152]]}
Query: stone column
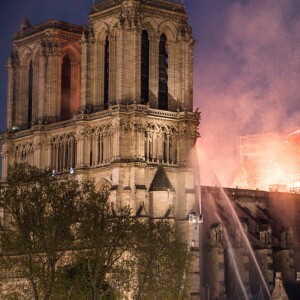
{"points": [[148, 146], [113, 82], [172, 91], [35, 90], [92, 71], [80, 137], [75, 87], [182, 74], [127, 66], [10, 92], [22, 102], [160, 147], [114, 144], [49, 107], [42, 104], [179, 148], [120, 64], [53, 87], [37, 146], [99, 73], [136, 66], [189, 104], [6, 151], [168, 149], [84, 71], [178, 74], [153, 71], [96, 149]]}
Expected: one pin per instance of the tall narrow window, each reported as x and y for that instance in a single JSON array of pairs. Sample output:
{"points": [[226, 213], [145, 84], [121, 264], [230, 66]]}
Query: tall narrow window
{"points": [[165, 148], [106, 72], [163, 73], [30, 87], [65, 88], [63, 154], [145, 68]]}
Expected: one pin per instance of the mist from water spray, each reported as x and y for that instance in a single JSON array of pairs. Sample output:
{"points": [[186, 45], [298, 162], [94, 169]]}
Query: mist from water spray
{"points": [[237, 221], [245, 237], [233, 260], [198, 178]]}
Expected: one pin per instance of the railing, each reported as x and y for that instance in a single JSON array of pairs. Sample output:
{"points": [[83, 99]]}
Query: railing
{"points": [[91, 112]]}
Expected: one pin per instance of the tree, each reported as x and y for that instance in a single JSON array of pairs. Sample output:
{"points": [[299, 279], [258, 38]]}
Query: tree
{"points": [[163, 261], [66, 241], [106, 238], [43, 209]]}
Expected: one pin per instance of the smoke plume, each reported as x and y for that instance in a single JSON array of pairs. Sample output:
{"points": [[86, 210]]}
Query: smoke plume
{"points": [[249, 80]]}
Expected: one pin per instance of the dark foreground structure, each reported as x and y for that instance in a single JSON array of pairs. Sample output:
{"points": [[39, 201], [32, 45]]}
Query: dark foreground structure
{"points": [[271, 221]]}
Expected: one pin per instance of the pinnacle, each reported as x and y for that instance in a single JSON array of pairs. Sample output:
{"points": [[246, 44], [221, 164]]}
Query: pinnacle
{"points": [[25, 24]]}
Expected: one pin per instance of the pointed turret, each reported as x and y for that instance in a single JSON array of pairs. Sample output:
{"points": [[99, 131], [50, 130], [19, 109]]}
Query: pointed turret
{"points": [[25, 24], [161, 194], [161, 181]]}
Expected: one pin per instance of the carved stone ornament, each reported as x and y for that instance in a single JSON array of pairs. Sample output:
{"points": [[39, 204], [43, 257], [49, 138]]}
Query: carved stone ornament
{"points": [[129, 16]]}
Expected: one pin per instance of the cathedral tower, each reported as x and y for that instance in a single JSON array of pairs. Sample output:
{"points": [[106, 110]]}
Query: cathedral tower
{"points": [[112, 101]]}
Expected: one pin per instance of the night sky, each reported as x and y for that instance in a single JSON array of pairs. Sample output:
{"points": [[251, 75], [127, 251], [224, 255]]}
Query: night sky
{"points": [[246, 66]]}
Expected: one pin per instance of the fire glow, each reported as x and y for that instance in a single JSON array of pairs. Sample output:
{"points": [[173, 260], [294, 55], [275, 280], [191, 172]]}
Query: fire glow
{"points": [[269, 162]]}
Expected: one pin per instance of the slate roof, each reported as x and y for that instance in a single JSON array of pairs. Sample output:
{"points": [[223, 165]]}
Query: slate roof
{"points": [[161, 181], [169, 214], [141, 212], [140, 187]]}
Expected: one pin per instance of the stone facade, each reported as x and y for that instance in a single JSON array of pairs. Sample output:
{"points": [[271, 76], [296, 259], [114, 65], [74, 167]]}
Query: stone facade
{"points": [[112, 101], [124, 139]]}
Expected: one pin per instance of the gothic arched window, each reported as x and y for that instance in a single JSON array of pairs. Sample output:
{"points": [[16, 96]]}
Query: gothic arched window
{"points": [[63, 153], [145, 68], [163, 73], [30, 87], [65, 108], [106, 72]]}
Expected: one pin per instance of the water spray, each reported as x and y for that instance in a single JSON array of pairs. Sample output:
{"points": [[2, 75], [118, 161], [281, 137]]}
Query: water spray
{"points": [[199, 186], [246, 239], [193, 217], [234, 261], [244, 235]]}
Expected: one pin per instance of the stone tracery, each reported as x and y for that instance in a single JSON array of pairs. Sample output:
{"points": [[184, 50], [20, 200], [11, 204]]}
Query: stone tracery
{"points": [[63, 152]]}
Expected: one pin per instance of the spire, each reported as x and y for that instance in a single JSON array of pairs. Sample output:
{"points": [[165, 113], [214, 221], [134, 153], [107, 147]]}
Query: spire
{"points": [[161, 181], [25, 24]]}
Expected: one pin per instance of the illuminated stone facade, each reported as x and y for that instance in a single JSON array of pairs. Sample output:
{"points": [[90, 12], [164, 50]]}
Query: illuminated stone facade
{"points": [[112, 101]]}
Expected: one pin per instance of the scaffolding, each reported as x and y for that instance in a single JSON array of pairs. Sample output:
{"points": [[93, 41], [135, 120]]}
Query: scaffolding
{"points": [[269, 162]]}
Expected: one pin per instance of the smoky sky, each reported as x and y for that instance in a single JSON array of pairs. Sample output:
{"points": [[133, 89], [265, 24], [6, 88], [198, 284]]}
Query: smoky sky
{"points": [[246, 67], [247, 78]]}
